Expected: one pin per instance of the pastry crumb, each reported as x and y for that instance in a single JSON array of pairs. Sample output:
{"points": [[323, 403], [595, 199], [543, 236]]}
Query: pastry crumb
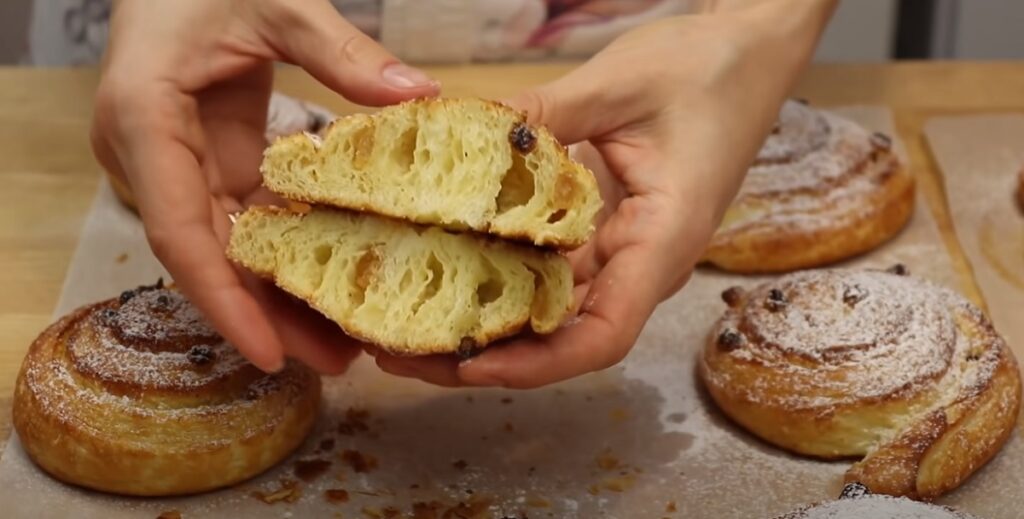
{"points": [[288, 493], [358, 461]]}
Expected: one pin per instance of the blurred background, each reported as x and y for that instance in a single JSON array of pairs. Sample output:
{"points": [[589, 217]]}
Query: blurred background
{"points": [[73, 32]]}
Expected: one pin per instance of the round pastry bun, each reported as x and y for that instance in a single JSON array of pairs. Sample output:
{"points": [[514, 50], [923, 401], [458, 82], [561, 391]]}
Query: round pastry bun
{"points": [[856, 502], [874, 364], [138, 395], [822, 189]]}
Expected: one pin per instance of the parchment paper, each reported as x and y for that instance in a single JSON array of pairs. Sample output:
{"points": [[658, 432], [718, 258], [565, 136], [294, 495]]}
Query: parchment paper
{"points": [[980, 157], [639, 440]]}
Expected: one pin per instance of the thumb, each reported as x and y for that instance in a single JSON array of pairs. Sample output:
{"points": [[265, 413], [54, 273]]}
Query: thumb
{"points": [[314, 36], [575, 107]]}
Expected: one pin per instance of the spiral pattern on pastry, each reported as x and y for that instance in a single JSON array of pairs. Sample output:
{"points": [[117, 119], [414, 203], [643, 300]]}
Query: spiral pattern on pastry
{"points": [[138, 395], [821, 189], [873, 364]]}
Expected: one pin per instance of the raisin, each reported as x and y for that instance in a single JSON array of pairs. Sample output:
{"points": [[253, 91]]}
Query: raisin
{"points": [[732, 296], [899, 269], [163, 301], [729, 340], [881, 140], [467, 348], [200, 355], [854, 294], [126, 296], [522, 138], [854, 490], [776, 300], [107, 315]]}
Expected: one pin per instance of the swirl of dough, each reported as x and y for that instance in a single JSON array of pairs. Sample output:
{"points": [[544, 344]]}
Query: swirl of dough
{"points": [[873, 364], [138, 395], [821, 189]]}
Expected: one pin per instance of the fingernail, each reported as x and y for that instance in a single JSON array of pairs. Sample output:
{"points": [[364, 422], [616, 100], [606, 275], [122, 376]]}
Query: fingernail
{"points": [[403, 76]]}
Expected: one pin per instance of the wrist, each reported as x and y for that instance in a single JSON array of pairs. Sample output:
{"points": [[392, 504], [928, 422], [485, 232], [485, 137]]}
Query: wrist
{"points": [[785, 32]]}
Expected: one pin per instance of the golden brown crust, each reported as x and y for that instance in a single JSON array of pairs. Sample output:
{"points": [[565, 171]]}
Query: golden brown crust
{"points": [[822, 190], [837, 364], [574, 188], [132, 396]]}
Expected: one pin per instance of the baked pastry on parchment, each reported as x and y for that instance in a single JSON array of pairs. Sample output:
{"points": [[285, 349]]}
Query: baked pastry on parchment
{"points": [[138, 395], [874, 364], [821, 189]]}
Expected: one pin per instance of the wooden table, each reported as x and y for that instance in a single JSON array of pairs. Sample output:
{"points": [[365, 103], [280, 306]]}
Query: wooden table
{"points": [[48, 175]]}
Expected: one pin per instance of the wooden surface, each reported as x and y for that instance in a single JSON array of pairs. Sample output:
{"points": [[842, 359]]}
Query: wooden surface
{"points": [[48, 175]]}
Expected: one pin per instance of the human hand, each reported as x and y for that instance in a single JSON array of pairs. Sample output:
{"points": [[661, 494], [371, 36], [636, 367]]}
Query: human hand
{"points": [[180, 114], [677, 110]]}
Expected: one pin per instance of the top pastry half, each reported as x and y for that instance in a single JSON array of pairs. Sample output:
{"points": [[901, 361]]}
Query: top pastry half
{"points": [[455, 163]]}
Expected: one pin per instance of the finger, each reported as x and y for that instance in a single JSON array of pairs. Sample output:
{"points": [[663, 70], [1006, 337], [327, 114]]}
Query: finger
{"points": [[306, 335], [579, 105], [314, 36], [617, 305], [175, 206], [441, 370]]}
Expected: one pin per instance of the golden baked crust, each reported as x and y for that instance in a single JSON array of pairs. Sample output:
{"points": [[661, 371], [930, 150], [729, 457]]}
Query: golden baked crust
{"points": [[138, 396], [871, 364], [822, 189], [409, 289], [456, 163]]}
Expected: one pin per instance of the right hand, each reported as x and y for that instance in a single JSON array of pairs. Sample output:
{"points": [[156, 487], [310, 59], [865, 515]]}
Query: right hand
{"points": [[180, 115]]}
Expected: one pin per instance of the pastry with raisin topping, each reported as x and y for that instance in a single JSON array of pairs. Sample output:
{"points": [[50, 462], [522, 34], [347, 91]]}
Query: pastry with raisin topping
{"points": [[138, 395], [904, 374]]}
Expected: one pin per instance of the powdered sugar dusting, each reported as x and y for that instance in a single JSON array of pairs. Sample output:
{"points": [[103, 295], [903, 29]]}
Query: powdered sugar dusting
{"points": [[876, 506], [814, 170], [160, 315], [150, 355], [846, 336], [147, 342]]}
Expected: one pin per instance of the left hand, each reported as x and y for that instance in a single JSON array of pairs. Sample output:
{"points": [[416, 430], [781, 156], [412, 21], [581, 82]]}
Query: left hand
{"points": [[677, 110]]}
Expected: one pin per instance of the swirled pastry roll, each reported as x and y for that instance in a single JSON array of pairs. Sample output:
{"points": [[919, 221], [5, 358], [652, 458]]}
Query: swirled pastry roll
{"points": [[821, 189], [138, 395], [871, 364]]}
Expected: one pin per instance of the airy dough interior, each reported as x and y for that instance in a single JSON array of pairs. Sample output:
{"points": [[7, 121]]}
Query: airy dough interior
{"points": [[410, 289], [453, 163]]}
